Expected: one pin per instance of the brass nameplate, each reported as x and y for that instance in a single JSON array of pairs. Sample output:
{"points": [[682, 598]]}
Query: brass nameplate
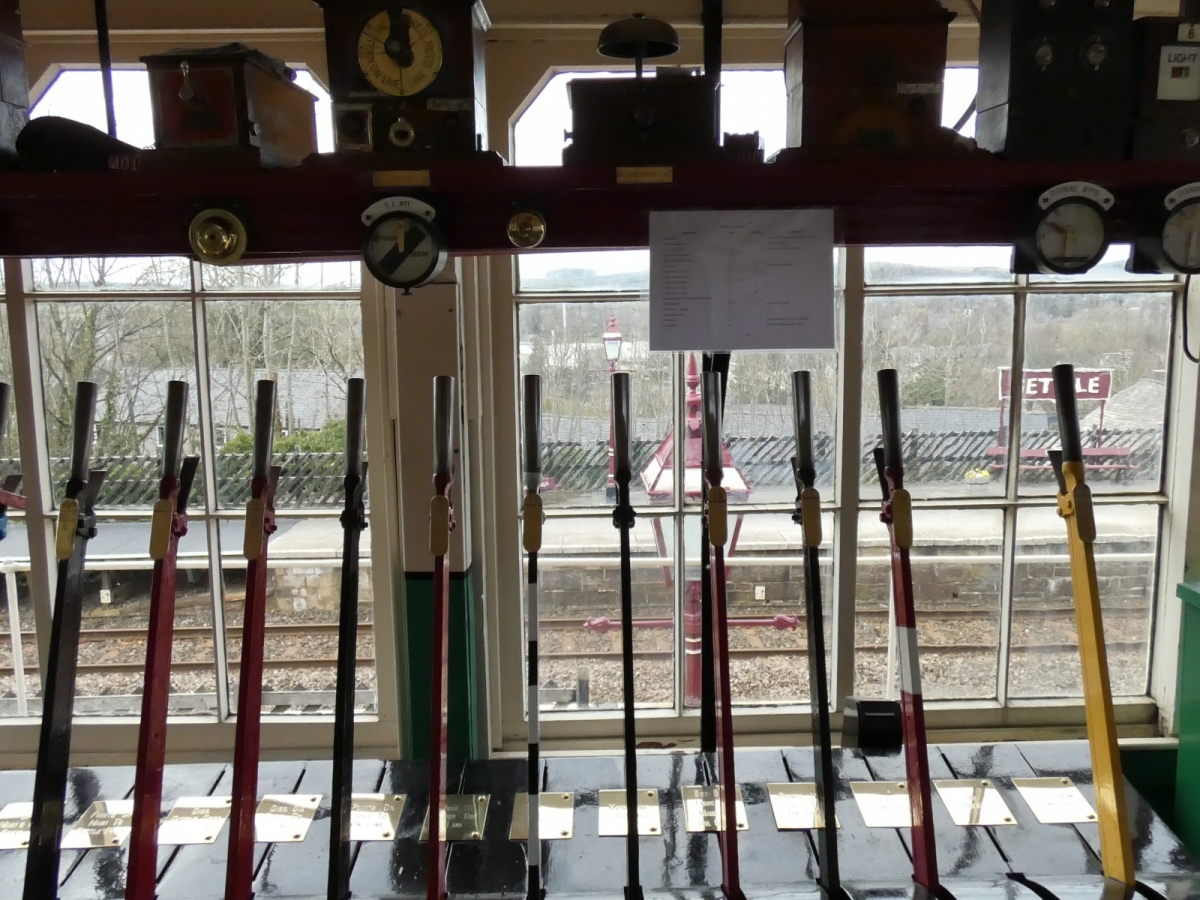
{"points": [[645, 174], [284, 818], [556, 817], [463, 819], [795, 807], [704, 811], [974, 802], [106, 823], [614, 821], [1055, 801], [402, 178], [883, 804], [375, 817], [14, 825], [194, 820]]}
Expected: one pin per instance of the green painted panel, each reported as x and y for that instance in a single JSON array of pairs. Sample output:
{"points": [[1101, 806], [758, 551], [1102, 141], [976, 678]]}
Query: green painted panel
{"points": [[464, 663], [1187, 785], [1152, 772]]}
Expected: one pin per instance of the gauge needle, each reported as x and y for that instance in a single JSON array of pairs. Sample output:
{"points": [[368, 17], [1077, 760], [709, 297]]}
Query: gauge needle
{"points": [[396, 256]]}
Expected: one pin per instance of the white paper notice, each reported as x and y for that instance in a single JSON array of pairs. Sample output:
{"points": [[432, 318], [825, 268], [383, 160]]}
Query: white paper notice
{"points": [[742, 280]]}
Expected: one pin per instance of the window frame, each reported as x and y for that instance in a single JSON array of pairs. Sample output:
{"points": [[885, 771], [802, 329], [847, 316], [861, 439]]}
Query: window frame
{"points": [[111, 739], [1004, 717]]}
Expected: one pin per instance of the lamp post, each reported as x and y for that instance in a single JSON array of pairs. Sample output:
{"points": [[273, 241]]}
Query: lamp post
{"points": [[612, 352]]}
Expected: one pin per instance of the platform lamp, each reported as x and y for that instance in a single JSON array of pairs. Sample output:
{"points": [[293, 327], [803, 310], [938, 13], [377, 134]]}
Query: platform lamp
{"points": [[612, 352]]}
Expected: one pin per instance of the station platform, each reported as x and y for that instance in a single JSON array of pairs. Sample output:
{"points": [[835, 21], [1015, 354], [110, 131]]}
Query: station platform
{"points": [[1019, 860]]}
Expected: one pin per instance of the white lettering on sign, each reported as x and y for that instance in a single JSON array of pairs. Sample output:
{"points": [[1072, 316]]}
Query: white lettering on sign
{"points": [[1083, 189], [1179, 73], [1090, 384]]}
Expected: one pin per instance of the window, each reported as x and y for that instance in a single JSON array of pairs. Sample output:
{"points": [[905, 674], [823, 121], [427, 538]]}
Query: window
{"points": [[996, 623], [304, 335]]}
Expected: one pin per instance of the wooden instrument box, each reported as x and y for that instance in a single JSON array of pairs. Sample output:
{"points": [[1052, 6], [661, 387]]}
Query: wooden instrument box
{"points": [[1054, 78], [649, 121], [865, 78], [1167, 123], [407, 79], [234, 103]]}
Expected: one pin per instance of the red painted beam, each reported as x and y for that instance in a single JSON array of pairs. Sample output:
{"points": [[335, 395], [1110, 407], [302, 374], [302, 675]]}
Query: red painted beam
{"points": [[314, 210]]}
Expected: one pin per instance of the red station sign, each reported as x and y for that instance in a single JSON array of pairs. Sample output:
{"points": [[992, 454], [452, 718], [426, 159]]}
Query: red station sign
{"points": [[1090, 384]]}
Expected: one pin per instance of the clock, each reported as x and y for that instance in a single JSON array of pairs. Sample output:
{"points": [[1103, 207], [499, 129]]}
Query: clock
{"points": [[406, 78], [1069, 232], [404, 248], [1181, 238], [1167, 233]]}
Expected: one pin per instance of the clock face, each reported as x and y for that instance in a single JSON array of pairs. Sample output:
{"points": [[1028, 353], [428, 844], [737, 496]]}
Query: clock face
{"points": [[1071, 237], [400, 52], [1181, 238], [404, 251]]}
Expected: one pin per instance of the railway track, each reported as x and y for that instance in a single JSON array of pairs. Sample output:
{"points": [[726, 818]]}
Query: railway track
{"points": [[299, 631]]}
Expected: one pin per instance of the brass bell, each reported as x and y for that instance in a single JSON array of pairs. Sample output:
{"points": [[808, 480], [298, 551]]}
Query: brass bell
{"points": [[218, 237], [527, 229], [638, 39]]}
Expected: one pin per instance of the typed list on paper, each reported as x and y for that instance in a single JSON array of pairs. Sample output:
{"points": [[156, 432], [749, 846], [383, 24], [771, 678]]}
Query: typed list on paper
{"points": [[742, 280]]}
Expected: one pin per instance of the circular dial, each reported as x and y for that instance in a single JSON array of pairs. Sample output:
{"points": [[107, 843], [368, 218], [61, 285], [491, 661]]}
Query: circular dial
{"points": [[1071, 236], [404, 251], [1181, 238], [400, 52]]}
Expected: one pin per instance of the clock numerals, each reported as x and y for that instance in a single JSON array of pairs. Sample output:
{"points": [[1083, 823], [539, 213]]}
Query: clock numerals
{"points": [[400, 52], [1181, 238], [1071, 237]]}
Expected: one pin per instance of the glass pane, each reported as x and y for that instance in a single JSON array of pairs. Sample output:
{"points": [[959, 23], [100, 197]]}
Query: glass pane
{"points": [[961, 86], [564, 343], [19, 690], [759, 427], [937, 265], [1110, 268], [79, 94], [1118, 344], [116, 616], [768, 637], [304, 583], [124, 273], [131, 350], [316, 276], [311, 348], [585, 272], [579, 613], [956, 565], [947, 351], [1045, 643], [751, 100], [10, 452]]}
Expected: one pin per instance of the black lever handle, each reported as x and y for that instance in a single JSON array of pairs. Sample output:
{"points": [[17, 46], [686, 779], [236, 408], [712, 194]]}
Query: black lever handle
{"points": [[356, 406], [533, 433], [1068, 413], [264, 428], [622, 425], [173, 431], [443, 426], [889, 415], [85, 415]]}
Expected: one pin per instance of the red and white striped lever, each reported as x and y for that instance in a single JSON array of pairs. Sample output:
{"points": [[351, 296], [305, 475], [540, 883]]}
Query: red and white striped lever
{"points": [[897, 515]]}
